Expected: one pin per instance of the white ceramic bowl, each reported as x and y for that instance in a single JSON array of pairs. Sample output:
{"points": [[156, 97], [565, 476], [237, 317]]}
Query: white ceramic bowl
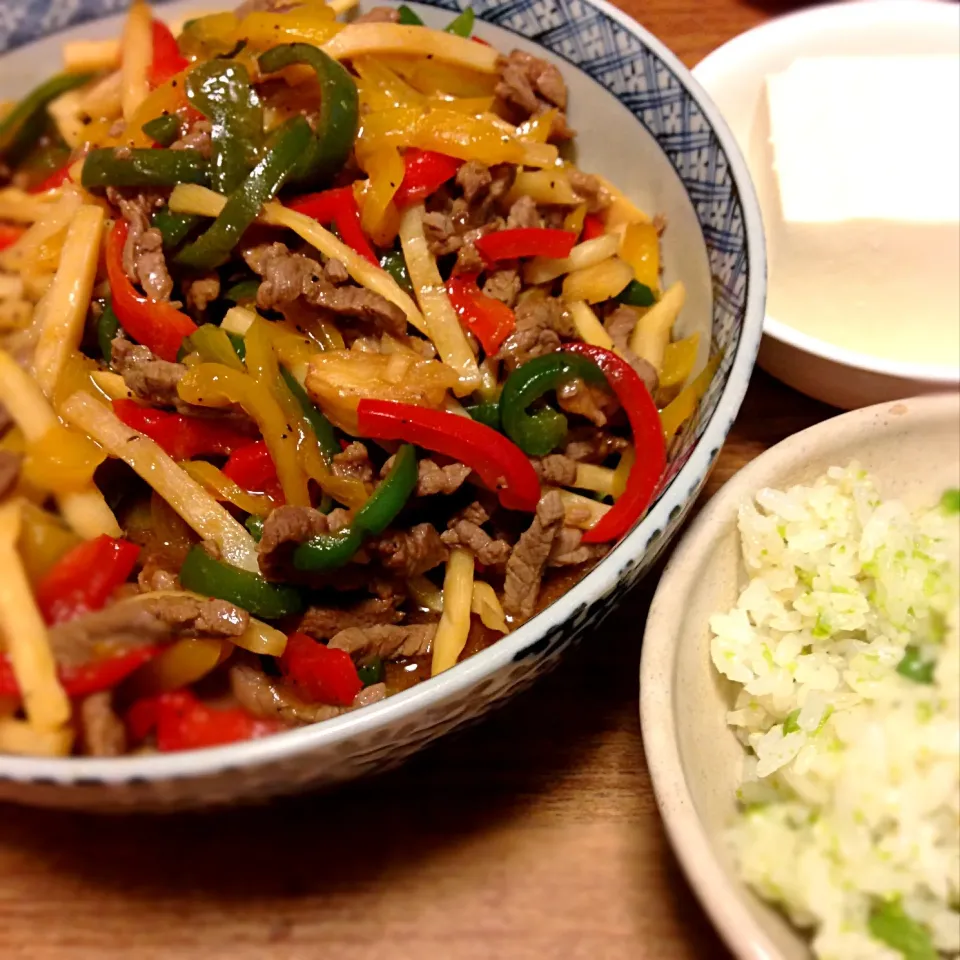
{"points": [[673, 155], [734, 75], [913, 447]]}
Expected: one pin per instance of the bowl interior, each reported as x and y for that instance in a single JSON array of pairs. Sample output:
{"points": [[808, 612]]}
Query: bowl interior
{"points": [[913, 448]]}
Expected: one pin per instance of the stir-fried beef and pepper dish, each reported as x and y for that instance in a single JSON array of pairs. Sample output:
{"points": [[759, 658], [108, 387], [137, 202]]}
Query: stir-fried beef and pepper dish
{"points": [[322, 367]]}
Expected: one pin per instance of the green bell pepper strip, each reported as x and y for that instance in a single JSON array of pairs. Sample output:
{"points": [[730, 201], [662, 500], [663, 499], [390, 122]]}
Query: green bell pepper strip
{"points": [[370, 672], [339, 116], [108, 326], [239, 345], [462, 25], [214, 246], [407, 17], [174, 227], [254, 525], [213, 345], [221, 91], [144, 168], [244, 291], [394, 263], [486, 413], [322, 427], [890, 924], [24, 124], [536, 434], [636, 294], [164, 129], [213, 578], [330, 551], [914, 667]]}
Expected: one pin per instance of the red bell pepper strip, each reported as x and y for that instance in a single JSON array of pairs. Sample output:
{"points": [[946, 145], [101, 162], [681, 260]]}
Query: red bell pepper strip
{"points": [[648, 440], [84, 578], [87, 678], [167, 61], [9, 235], [251, 467], [500, 464], [526, 242], [56, 179], [490, 320], [182, 722], [339, 207], [182, 437], [319, 674], [424, 173], [153, 323], [592, 228]]}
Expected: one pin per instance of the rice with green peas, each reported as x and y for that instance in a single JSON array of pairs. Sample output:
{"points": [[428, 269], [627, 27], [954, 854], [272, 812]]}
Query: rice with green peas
{"points": [[846, 648]]}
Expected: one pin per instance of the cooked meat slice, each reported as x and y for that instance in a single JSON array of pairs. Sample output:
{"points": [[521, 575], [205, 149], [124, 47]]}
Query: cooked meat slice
{"points": [[503, 285], [408, 553], [585, 400], [591, 188], [474, 512], [197, 138], [102, 733], [143, 259], [441, 233], [556, 470], [274, 700], [531, 86], [322, 623], [154, 577], [620, 325], [469, 260], [466, 533], [200, 292], [547, 312], [335, 272], [474, 179], [568, 550], [338, 518], [524, 213], [589, 445], [9, 471], [284, 529], [432, 478], [124, 626], [529, 558], [149, 377], [288, 276], [354, 462], [524, 345], [386, 641], [541, 322], [380, 15]]}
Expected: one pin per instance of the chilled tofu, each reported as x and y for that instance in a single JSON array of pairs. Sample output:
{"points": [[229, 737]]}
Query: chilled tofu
{"points": [[863, 208]]}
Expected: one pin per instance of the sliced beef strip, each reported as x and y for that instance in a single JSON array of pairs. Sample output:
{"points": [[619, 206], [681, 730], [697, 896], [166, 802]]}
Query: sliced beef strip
{"points": [[135, 624], [531, 86], [336, 272], [200, 292], [485, 187], [586, 400], [150, 378], [380, 15], [197, 138], [524, 214], [441, 233], [322, 623], [102, 732], [503, 285], [591, 188], [589, 445], [541, 321], [432, 478], [568, 550], [556, 470], [469, 260], [9, 471], [288, 276], [155, 577], [467, 533], [353, 462], [284, 529], [620, 325], [529, 558], [408, 553], [143, 259], [474, 178], [273, 700], [387, 641]]}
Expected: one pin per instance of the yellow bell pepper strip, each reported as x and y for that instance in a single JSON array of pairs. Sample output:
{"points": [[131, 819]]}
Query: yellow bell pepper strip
{"points": [[339, 116], [599, 282], [454, 626], [678, 360], [43, 540], [62, 461], [647, 470], [212, 344], [213, 248], [640, 247], [684, 405], [182, 663], [215, 385], [219, 484], [379, 216], [219, 33], [652, 332]]}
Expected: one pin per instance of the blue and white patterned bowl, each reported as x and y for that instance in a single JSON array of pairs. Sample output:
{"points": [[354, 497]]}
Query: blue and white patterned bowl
{"points": [[645, 124]]}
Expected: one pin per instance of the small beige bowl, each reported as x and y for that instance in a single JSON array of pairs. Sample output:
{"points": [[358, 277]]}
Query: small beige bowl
{"points": [[913, 448]]}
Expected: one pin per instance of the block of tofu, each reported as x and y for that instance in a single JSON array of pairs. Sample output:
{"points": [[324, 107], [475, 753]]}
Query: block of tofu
{"points": [[863, 218]]}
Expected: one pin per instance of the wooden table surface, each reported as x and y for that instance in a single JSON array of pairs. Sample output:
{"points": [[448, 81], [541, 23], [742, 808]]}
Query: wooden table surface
{"points": [[534, 836]]}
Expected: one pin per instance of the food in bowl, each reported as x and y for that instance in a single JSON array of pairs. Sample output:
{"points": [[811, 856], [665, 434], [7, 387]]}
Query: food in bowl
{"points": [[286, 304], [845, 649]]}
